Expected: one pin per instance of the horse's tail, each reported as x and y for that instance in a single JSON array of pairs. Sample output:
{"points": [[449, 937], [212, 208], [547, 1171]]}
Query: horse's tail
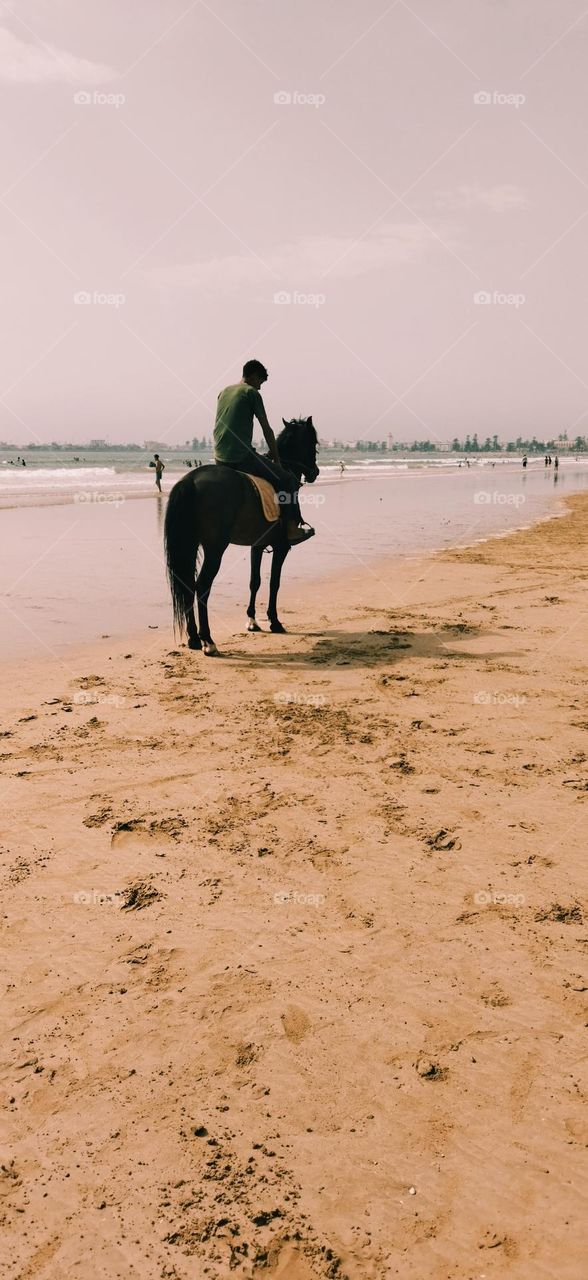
{"points": [[181, 547]]}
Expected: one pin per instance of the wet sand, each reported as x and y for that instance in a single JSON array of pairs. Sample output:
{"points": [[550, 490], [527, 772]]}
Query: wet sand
{"points": [[292, 938]]}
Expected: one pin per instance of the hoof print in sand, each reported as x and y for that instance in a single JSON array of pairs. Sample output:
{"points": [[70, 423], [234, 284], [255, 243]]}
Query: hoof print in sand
{"points": [[139, 895], [443, 841], [561, 915], [98, 819], [495, 998], [137, 831], [401, 765], [429, 1070], [246, 1055]]}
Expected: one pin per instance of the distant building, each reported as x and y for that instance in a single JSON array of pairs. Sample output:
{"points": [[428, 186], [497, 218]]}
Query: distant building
{"points": [[98, 444]]}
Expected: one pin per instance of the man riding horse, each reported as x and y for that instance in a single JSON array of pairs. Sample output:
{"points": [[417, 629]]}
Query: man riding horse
{"points": [[237, 406], [216, 506]]}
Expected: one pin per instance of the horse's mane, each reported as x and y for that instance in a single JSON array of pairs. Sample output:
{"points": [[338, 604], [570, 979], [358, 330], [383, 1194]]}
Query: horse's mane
{"points": [[289, 431]]}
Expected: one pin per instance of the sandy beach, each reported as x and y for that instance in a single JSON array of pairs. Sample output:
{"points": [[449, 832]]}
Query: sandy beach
{"points": [[292, 938]]}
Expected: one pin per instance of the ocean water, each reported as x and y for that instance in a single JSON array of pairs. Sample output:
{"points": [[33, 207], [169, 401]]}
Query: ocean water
{"points": [[81, 547], [51, 477]]}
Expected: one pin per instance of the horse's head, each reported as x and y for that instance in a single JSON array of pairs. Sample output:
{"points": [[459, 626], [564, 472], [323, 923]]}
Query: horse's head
{"points": [[297, 447]]}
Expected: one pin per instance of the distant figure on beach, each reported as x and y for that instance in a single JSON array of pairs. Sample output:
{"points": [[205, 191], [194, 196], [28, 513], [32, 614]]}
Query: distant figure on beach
{"points": [[341, 467], [546, 460], [556, 463], [524, 461], [159, 470], [188, 463]]}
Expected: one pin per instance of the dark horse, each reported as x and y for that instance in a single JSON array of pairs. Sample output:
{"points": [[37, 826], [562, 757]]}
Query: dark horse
{"points": [[214, 506]]}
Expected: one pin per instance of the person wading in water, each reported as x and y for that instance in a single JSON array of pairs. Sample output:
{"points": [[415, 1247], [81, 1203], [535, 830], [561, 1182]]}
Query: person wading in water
{"points": [[237, 406]]}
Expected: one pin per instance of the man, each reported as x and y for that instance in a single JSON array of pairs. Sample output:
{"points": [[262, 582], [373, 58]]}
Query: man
{"points": [[237, 406], [159, 470]]}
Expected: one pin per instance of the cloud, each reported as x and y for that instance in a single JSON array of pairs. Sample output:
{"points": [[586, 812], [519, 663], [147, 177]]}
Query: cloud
{"points": [[499, 199], [22, 62], [303, 262]]}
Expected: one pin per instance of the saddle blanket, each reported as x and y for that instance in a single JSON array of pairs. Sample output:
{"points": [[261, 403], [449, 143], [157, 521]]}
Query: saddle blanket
{"points": [[268, 497]]}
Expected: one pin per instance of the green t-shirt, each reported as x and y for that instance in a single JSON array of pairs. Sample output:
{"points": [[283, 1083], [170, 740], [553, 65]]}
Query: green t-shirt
{"points": [[233, 428]]}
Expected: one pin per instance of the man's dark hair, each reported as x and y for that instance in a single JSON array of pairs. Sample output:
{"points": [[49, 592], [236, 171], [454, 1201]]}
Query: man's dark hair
{"points": [[255, 367]]}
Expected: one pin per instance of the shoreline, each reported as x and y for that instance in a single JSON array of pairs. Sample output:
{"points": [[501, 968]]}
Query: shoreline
{"points": [[315, 905]]}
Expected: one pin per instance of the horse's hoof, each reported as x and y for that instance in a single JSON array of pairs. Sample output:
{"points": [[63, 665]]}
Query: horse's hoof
{"points": [[278, 629], [210, 650], [195, 644], [253, 625]]}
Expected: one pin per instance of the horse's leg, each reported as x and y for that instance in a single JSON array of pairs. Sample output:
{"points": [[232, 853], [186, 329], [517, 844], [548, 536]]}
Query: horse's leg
{"points": [[210, 567], [280, 552], [194, 641], [254, 585]]}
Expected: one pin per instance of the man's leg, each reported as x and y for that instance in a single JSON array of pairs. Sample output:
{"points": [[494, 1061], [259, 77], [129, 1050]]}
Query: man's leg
{"points": [[283, 482]]}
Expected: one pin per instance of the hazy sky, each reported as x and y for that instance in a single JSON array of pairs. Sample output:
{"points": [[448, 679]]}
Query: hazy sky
{"points": [[181, 197]]}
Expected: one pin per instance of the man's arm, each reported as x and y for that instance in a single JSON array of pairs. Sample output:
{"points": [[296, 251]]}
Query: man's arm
{"points": [[270, 439]]}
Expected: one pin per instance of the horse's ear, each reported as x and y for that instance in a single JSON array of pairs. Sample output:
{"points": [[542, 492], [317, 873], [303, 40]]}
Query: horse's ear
{"points": [[286, 424], [309, 420]]}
